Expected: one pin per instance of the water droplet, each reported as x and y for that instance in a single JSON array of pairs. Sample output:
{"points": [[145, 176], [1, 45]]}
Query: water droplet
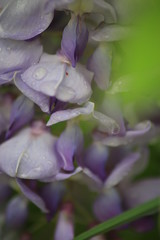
{"points": [[39, 73]]}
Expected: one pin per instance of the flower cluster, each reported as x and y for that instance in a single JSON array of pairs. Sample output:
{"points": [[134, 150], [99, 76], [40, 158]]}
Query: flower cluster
{"points": [[61, 116]]}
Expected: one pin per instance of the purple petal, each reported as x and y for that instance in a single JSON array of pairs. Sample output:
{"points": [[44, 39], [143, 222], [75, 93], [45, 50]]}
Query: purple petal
{"points": [[32, 196], [31, 156], [64, 228], [142, 191], [110, 33], [144, 224], [121, 170], [5, 192], [107, 205], [74, 39], [18, 55], [69, 146], [52, 194], [21, 19], [63, 115], [16, 212], [40, 99], [100, 63], [95, 159], [21, 113]]}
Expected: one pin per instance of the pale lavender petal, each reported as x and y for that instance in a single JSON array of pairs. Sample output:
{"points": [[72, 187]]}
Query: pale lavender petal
{"points": [[65, 227], [70, 146], [110, 33], [31, 156], [75, 91], [61, 116], [21, 19], [100, 63], [112, 109], [141, 133], [74, 39], [62, 175], [98, 237], [16, 212], [6, 78], [18, 55], [16, 146], [106, 123], [121, 170], [106, 9], [46, 76], [95, 159], [40, 99], [32, 196], [107, 205], [142, 191], [21, 113]]}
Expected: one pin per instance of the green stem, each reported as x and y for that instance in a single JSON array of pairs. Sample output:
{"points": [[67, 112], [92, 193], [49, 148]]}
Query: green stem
{"points": [[123, 218]]}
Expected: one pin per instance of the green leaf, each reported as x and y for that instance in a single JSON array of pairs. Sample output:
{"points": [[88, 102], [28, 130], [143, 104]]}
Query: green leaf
{"points": [[123, 218]]}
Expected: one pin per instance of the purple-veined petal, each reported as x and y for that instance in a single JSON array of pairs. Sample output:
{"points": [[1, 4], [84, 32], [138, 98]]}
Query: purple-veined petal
{"points": [[21, 19], [46, 76], [76, 85], [74, 39], [32, 196], [100, 63], [65, 227], [63, 115], [21, 113], [31, 156], [95, 159], [18, 55], [107, 205], [16, 212], [110, 33], [40, 99], [142, 191], [69, 146], [121, 170]]}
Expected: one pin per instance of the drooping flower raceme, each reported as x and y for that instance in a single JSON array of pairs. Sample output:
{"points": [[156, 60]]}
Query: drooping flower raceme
{"points": [[65, 56]]}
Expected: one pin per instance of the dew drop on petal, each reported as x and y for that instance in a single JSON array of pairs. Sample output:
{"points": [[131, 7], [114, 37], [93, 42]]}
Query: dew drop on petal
{"points": [[39, 73]]}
